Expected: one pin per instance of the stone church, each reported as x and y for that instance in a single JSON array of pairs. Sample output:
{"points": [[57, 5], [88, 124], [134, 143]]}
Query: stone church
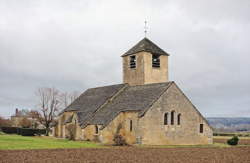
{"points": [[146, 108]]}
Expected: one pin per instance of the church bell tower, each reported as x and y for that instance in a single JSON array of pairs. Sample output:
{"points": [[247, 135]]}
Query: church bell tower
{"points": [[145, 63]]}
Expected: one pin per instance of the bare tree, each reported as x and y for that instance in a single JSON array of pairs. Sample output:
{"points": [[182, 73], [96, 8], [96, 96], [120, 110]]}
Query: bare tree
{"points": [[36, 117], [49, 105], [64, 99], [25, 123], [68, 97], [5, 122], [51, 102]]}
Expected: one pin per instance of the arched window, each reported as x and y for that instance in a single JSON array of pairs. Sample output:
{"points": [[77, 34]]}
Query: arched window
{"points": [[172, 117], [166, 119], [131, 125], [179, 119], [96, 129]]}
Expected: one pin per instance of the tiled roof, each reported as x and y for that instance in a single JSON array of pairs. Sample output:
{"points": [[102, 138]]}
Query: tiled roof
{"points": [[132, 98], [147, 46], [101, 105], [91, 100]]}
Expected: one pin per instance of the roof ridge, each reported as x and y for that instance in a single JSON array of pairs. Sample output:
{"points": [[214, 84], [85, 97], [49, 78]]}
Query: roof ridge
{"points": [[106, 86]]}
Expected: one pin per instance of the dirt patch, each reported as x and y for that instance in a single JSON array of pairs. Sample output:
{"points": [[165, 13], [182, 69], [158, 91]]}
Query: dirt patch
{"points": [[129, 154], [241, 142]]}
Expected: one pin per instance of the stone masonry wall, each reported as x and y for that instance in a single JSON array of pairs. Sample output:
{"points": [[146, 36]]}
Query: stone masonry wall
{"points": [[144, 73], [134, 76], [106, 135], [155, 74], [123, 121], [150, 128], [60, 127], [154, 132]]}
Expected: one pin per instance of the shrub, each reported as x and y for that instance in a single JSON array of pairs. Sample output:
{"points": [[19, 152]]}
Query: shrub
{"points": [[233, 141], [96, 138], [119, 140], [223, 134]]}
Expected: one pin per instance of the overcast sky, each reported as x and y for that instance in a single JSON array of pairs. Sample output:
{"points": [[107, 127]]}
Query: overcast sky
{"points": [[75, 45]]}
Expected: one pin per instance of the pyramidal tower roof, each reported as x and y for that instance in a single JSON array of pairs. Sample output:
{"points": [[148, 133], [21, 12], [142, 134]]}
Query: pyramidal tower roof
{"points": [[147, 46]]}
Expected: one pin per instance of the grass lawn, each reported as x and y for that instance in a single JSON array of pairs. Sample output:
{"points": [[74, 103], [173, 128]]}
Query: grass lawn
{"points": [[13, 142], [26, 142]]}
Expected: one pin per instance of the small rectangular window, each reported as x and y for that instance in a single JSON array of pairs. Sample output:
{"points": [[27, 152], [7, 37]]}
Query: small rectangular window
{"points": [[172, 117], [131, 125], [132, 62], [179, 119], [155, 61], [166, 119], [201, 128]]}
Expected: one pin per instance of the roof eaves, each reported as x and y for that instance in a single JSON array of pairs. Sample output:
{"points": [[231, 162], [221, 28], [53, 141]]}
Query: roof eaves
{"points": [[145, 50], [111, 119]]}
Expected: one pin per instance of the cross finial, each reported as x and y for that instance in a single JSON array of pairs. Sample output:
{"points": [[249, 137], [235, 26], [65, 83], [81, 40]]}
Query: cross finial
{"points": [[145, 28]]}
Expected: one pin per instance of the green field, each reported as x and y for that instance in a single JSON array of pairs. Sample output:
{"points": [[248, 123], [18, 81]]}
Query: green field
{"points": [[13, 142], [22, 142]]}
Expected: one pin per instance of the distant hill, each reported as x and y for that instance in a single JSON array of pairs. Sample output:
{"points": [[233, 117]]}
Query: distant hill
{"points": [[229, 124]]}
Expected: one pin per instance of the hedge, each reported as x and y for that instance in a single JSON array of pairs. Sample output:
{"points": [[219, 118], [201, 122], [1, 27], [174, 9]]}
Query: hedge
{"points": [[232, 134], [23, 131], [9, 130]]}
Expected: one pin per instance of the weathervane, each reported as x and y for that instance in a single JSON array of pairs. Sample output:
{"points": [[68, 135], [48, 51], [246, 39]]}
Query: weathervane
{"points": [[145, 28]]}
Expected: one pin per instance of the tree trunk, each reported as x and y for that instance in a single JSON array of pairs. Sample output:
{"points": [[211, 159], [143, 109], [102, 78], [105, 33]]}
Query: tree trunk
{"points": [[47, 130]]}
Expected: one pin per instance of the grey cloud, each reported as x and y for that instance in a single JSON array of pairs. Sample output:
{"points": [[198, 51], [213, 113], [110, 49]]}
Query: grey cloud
{"points": [[74, 45]]}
